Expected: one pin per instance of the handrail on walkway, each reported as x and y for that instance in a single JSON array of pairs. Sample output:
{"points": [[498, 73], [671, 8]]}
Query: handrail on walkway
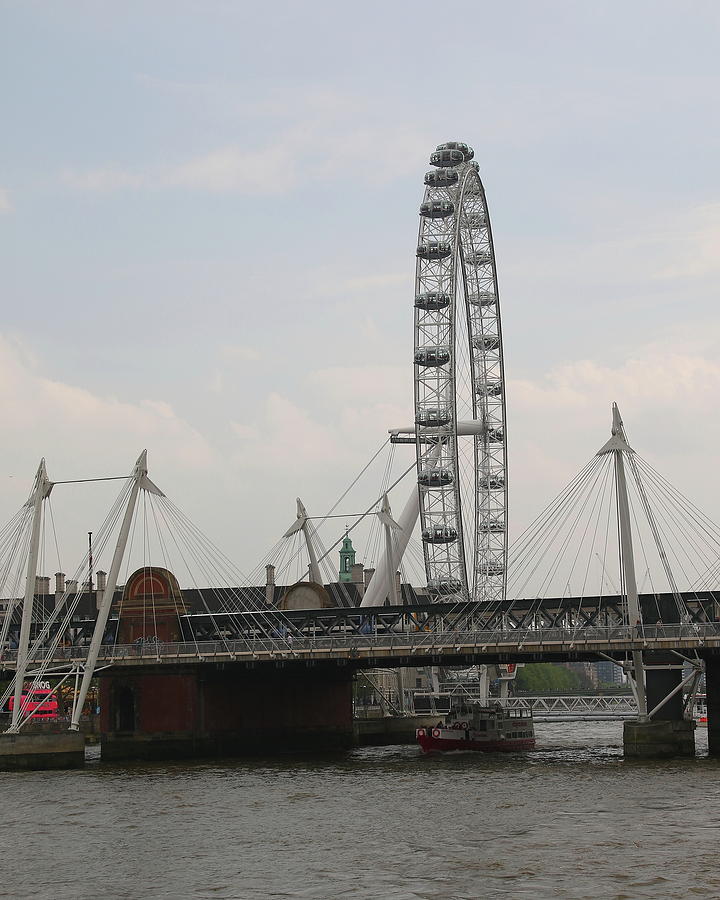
{"points": [[397, 643]]}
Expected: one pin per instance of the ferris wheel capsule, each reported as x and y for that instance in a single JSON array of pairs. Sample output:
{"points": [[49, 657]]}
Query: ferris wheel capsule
{"points": [[441, 178], [486, 342], [491, 526], [433, 416], [466, 150], [435, 478], [439, 534], [432, 356], [447, 158], [437, 209], [488, 389], [434, 250], [432, 300]]}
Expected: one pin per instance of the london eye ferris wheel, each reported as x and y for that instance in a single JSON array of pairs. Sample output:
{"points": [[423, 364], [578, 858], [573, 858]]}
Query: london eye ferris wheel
{"points": [[460, 431]]}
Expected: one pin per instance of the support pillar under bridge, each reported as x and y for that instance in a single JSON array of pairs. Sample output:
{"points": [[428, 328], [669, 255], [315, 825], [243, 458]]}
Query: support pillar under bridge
{"points": [[225, 709], [712, 691], [667, 733]]}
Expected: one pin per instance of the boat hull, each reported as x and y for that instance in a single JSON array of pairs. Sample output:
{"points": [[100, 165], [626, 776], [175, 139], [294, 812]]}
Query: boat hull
{"points": [[446, 742]]}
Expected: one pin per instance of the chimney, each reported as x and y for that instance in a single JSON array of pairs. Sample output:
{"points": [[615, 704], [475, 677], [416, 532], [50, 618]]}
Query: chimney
{"points": [[38, 584], [367, 575], [59, 587], [356, 578], [72, 586], [270, 585], [100, 584]]}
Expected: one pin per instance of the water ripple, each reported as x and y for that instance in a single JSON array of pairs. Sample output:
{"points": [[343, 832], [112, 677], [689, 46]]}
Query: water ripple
{"points": [[570, 822]]}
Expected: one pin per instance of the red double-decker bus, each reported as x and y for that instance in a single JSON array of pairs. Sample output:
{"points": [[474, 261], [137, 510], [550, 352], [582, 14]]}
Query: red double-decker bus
{"points": [[41, 701]]}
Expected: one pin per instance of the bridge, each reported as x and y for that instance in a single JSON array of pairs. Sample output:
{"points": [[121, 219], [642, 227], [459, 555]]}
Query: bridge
{"points": [[220, 665], [369, 646], [270, 677], [591, 708]]}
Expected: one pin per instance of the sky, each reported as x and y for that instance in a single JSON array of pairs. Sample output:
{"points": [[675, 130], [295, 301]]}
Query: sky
{"points": [[208, 216]]}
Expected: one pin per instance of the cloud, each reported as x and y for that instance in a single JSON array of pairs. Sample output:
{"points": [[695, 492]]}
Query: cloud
{"points": [[239, 352], [636, 253], [5, 204], [667, 397], [285, 438], [303, 136], [278, 167], [232, 170], [104, 179], [326, 433], [345, 411], [66, 423], [697, 251]]}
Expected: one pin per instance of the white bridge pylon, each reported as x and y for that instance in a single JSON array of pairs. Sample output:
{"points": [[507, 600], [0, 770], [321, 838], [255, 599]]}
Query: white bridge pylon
{"points": [[382, 584], [41, 490], [618, 446], [302, 523], [140, 481]]}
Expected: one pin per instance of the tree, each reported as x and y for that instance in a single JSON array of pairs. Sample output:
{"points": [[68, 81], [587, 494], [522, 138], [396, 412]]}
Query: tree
{"points": [[543, 678]]}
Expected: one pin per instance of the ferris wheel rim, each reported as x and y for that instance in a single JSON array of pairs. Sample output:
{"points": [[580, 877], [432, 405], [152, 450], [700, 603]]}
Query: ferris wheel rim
{"points": [[482, 346]]}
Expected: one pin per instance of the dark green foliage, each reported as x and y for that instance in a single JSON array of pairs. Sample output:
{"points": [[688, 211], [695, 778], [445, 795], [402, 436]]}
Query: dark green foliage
{"points": [[542, 678]]}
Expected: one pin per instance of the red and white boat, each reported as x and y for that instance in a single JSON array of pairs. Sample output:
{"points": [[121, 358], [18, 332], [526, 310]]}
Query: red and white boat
{"points": [[489, 729]]}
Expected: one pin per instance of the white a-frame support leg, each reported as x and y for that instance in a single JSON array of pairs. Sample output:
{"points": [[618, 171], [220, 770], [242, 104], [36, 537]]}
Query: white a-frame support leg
{"points": [[140, 482], [380, 584], [41, 490], [302, 523]]}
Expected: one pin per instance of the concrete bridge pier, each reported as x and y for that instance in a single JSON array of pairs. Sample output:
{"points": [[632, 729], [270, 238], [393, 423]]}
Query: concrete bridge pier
{"points": [[668, 733], [712, 691], [42, 748], [225, 709]]}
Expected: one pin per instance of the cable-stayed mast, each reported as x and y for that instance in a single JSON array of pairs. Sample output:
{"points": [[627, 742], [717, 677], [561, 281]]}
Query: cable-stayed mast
{"points": [[618, 447], [41, 490]]}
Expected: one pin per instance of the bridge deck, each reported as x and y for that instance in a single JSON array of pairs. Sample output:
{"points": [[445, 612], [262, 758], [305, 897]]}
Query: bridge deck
{"points": [[405, 649]]}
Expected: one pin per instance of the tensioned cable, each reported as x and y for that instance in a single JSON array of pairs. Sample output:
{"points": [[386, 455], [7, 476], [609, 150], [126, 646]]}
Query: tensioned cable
{"points": [[651, 521], [102, 537], [536, 544], [249, 604], [552, 526], [166, 562], [566, 498], [677, 521], [38, 647], [593, 517], [705, 529]]}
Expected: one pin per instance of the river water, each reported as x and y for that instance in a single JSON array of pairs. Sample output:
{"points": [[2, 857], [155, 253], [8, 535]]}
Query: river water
{"points": [[571, 820]]}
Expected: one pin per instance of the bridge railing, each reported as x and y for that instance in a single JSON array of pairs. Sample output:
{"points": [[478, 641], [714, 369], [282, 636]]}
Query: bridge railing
{"points": [[418, 642]]}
